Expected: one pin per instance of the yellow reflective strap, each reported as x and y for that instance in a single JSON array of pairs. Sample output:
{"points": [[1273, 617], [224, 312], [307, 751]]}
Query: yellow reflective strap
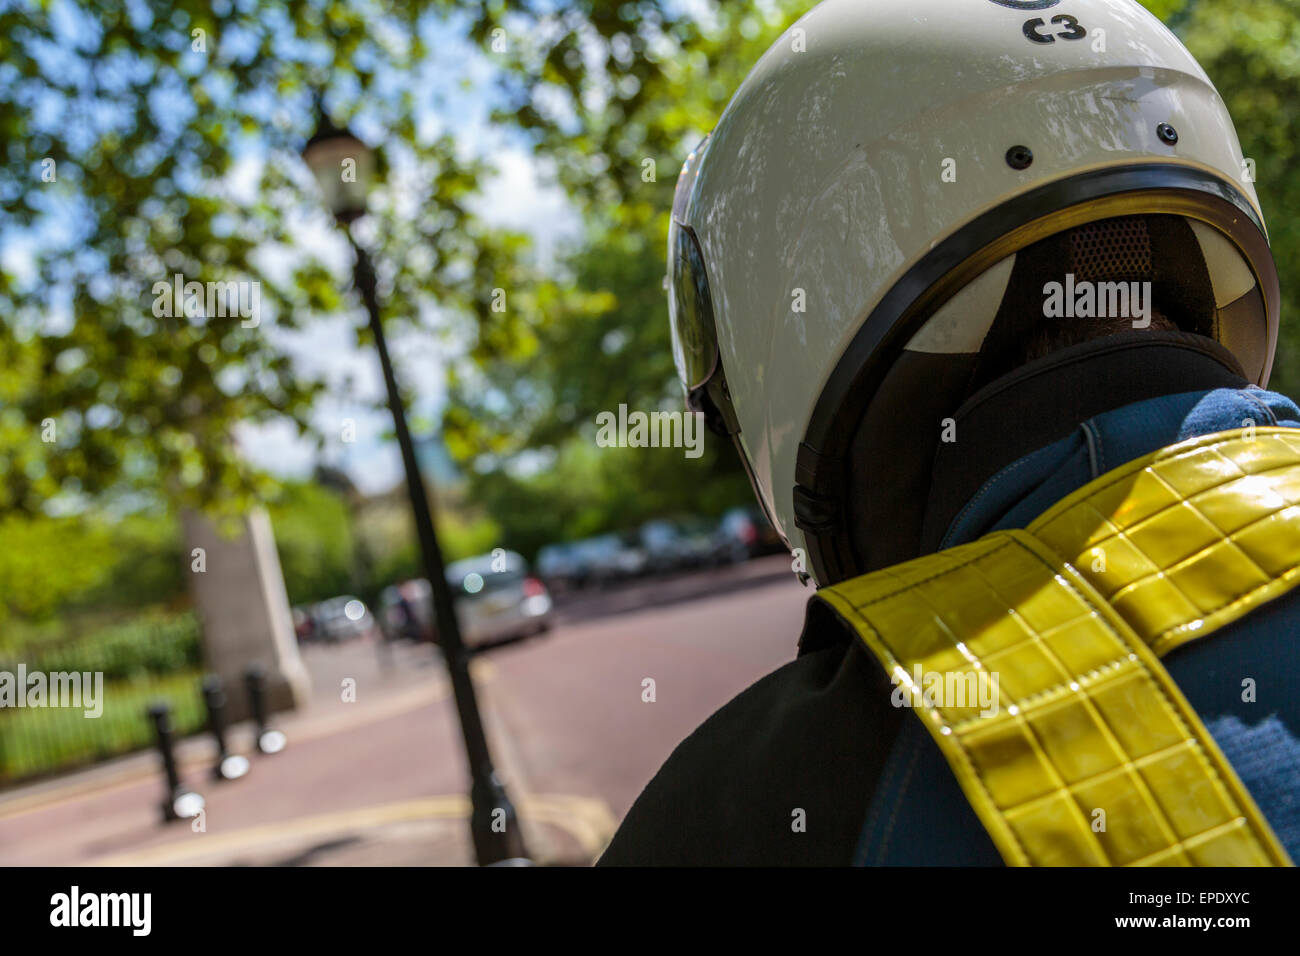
{"points": [[1191, 538], [1038, 675]]}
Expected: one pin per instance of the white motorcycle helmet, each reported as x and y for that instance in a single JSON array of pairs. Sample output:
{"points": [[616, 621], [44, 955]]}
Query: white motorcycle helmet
{"points": [[846, 239]]}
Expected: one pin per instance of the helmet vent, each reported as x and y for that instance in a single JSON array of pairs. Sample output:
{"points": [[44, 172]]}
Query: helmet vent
{"points": [[1111, 249]]}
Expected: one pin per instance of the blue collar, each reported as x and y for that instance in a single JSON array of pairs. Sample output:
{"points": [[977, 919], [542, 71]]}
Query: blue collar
{"points": [[1030, 485]]}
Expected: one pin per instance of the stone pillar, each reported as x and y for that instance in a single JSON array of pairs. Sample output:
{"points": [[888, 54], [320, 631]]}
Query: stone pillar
{"points": [[243, 609]]}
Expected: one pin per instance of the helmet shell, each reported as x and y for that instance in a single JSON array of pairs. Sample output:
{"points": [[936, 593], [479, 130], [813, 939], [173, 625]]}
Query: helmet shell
{"points": [[871, 132]]}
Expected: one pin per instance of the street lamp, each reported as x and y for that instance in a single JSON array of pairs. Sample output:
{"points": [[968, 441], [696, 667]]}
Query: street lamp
{"points": [[344, 168]]}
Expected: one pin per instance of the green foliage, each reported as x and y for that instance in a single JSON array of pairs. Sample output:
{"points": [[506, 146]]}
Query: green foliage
{"points": [[85, 562], [462, 533], [152, 113], [157, 656], [45, 561], [152, 644], [589, 490], [602, 85], [147, 567], [1252, 53], [615, 95], [313, 536]]}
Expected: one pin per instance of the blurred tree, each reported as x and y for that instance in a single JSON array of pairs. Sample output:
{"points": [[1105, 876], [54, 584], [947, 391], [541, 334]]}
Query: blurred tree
{"points": [[148, 564], [588, 490], [317, 530], [313, 536], [1252, 53], [86, 566], [46, 561], [614, 95], [89, 566], [460, 536], [155, 139]]}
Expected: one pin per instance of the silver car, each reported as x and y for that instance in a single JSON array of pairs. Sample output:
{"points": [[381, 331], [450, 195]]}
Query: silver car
{"points": [[341, 619], [497, 599]]}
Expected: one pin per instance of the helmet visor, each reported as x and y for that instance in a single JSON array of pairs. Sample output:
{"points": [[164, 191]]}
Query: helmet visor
{"points": [[690, 306]]}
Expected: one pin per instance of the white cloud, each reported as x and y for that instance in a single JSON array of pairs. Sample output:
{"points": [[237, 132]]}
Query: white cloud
{"points": [[519, 196]]}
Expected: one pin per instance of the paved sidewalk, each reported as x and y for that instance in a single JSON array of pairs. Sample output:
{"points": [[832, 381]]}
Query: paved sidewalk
{"points": [[333, 797], [382, 780], [412, 673]]}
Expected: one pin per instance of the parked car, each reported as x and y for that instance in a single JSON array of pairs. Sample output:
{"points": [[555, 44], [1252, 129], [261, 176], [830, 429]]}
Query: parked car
{"points": [[674, 546], [495, 598], [746, 533], [701, 544], [560, 566], [608, 558], [628, 558], [341, 619]]}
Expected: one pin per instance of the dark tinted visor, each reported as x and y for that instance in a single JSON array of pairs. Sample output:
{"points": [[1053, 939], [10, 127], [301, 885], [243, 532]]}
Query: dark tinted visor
{"points": [[690, 307]]}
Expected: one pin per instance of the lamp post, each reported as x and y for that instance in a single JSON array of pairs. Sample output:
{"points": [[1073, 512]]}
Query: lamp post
{"points": [[493, 823]]}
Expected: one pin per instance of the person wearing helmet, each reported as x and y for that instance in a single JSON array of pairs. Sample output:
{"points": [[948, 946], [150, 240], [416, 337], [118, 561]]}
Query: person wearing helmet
{"points": [[983, 295]]}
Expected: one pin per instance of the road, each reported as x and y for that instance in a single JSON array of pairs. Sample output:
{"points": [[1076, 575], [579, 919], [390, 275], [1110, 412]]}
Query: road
{"points": [[381, 780], [575, 701]]}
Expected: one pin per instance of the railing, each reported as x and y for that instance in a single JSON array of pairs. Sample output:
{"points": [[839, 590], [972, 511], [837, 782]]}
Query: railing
{"points": [[49, 694]]}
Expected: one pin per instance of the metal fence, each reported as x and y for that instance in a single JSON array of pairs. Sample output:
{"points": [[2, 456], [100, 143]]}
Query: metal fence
{"points": [[75, 702]]}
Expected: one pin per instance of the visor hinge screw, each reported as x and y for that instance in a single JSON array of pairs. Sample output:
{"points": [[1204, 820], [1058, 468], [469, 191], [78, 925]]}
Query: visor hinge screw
{"points": [[1020, 157]]}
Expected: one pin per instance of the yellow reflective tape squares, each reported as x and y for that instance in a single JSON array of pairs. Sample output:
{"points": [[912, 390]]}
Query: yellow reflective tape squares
{"points": [[1032, 656]]}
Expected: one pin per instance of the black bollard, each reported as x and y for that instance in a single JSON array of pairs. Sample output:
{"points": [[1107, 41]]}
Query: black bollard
{"points": [[268, 741], [228, 766], [181, 803]]}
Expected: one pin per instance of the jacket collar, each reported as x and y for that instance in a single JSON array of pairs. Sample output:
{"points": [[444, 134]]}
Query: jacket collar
{"points": [[1045, 400]]}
